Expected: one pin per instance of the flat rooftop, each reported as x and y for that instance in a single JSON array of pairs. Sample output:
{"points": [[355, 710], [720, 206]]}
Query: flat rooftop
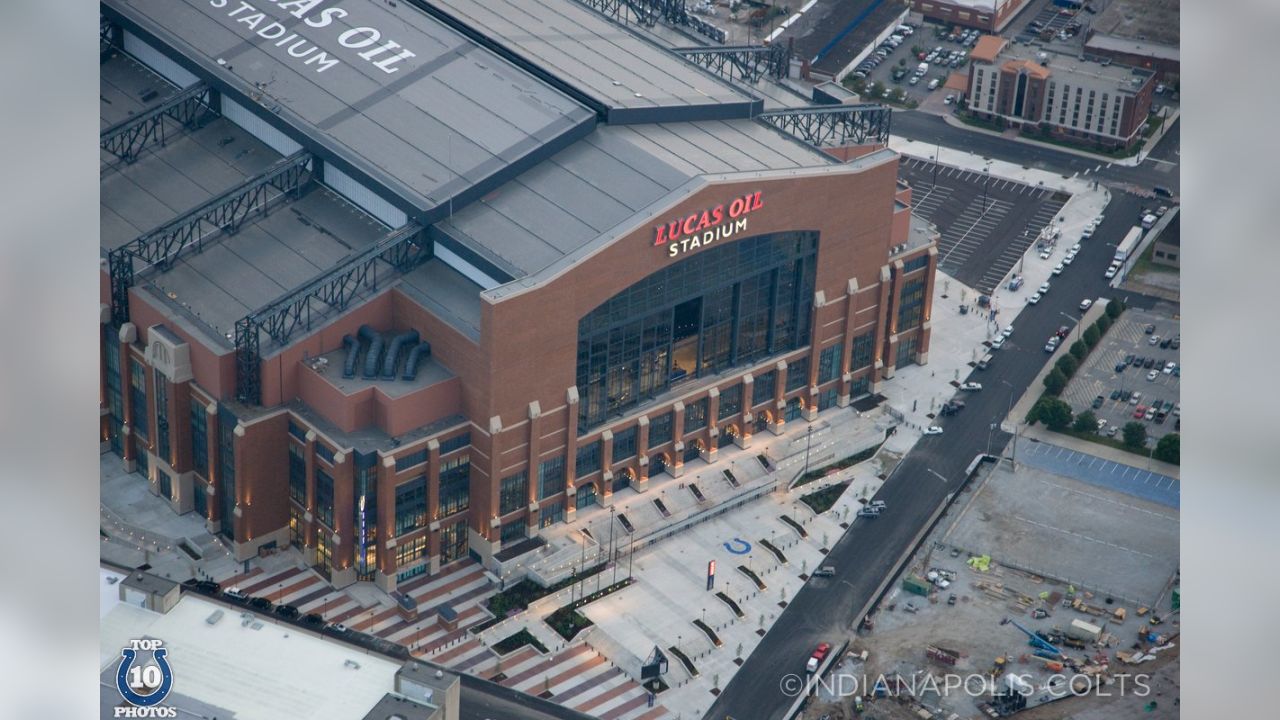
{"points": [[262, 671], [831, 33], [427, 113], [127, 87], [607, 178], [1121, 76], [1155, 21], [632, 77], [1134, 47]]}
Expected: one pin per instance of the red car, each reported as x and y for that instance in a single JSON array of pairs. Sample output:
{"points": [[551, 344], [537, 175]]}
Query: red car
{"points": [[1139, 412], [1063, 332], [818, 656]]}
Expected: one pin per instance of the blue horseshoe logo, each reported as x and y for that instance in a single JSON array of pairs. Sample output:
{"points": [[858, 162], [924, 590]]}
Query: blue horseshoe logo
{"points": [[738, 546], [122, 678]]}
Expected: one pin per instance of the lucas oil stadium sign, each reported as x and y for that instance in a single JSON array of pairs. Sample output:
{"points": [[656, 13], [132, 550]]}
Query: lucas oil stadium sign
{"points": [[367, 44], [691, 232]]}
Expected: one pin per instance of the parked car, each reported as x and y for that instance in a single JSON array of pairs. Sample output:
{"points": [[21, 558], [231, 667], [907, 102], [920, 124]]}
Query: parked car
{"points": [[1063, 332], [288, 612], [338, 629], [1139, 412], [1057, 269], [869, 512], [313, 619], [1085, 304], [1153, 375], [1153, 340], [1044, 288], [1035, 298], [261, 603], [1115, 394], [997, 343], [1051, 345], [1151, 413], [1068, 259], [1046, 253], [971, 386], [1097, 402], [235, 594], [1149, 328], [825, 571], [1169, 367], [1015, 282], [1120, 366], [1129, 358], [933, 430], [1075, 249], [1111, 272], [1135, 397], [1149, 363], [1102, 422]]}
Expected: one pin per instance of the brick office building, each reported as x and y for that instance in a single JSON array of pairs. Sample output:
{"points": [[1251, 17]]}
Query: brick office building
{"points": [[1081, 101], [435, 328]]}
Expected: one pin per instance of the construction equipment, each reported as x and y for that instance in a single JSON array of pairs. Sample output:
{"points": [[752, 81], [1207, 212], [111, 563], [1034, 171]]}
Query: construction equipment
{"points": [[942, 655], [1036, 641]]}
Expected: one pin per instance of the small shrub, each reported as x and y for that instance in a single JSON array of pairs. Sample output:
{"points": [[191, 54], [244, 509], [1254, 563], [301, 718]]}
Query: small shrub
{"points": [[1055, 381], [1085, 422]]}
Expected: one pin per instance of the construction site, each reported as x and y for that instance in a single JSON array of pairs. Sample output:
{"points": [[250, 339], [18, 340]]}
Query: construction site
{"points": [[967, 630]]}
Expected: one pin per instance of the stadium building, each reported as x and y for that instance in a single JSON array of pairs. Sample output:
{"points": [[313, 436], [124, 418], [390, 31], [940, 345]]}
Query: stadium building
{"points": [[403, 283]]}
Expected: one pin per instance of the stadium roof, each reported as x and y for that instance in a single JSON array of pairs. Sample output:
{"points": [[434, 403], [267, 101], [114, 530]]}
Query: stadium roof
{"points": [[628, 77], [386, 92]]}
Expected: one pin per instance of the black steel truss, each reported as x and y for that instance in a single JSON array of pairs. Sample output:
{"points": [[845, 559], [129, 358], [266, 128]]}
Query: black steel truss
{"points": [[108, 32], [224, 214], [747, 63], [190, 108], [834, 126], [403, 249], [650, 12]]}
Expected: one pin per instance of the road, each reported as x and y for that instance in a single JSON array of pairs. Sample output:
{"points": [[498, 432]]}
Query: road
{"points": [[824, 610], [1160, 167]]}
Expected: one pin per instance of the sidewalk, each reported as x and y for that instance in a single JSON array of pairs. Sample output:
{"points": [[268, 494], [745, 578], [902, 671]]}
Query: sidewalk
{"points": [[1132, 161], [1106, 452]]}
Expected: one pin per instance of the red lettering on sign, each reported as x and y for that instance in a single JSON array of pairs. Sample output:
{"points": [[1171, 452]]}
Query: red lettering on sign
{"points": [[712, 217]]}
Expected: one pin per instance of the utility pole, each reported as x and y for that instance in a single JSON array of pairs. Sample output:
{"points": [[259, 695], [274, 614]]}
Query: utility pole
{"points": [[808, 442], [612, 522]]}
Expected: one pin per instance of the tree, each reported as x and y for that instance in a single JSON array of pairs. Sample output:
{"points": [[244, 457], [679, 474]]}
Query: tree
{"points": [[1091, 336], [1068, 365], [1103, 323], [1168, 449], [1114, 308], [1086, 422], [1055, 381], [1135, 435], [1078, 350], [1054, 413]]}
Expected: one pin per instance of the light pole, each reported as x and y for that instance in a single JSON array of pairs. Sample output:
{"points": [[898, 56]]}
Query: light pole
{"points": [[934, 473], [1014, 420], [986, 174], [808, 442], [1079, 323], [612, 522]]}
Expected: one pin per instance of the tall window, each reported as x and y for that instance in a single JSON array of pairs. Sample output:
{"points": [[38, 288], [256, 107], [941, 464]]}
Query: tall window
{"points": [[828, 364], [907, 351], [162, 417], [453, 542], [227, 469], [201, 499], [585, 497], [411, 505], [455, 485], [324, 497], [624, 444], [513, 531], [513, 492], [410, 551], [297, 474], [366, 519], [115, 399], [695, 415], [862, 348], [861, 386], [200, 438], [730, 402], [457, 442], [588, 458], [720, 308], [798, 373], [297, 526], [550, 477], [911, 304], [660, 429], [764, 388], [138, 396]]}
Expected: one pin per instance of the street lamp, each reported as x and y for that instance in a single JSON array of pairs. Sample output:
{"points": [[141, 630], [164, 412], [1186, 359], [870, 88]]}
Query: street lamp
{"points": [[1014, 420], [934, 473], [986, 174], [808, 442]]}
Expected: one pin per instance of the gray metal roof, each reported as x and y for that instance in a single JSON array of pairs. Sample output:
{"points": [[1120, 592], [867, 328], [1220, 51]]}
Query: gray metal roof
{"points": [[613, 174], [447, 123], [633, 78]]}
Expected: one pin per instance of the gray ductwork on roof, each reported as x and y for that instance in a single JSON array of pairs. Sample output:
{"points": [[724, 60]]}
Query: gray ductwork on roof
{"points": [[375, 351], [420, 352], [353, 354], [409, 338]]}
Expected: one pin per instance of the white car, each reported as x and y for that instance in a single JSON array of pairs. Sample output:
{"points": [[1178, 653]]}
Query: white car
{"points": [[1153, 340], [1044, 288], [1068, 258], [1168, 368], [1035, 298], [1051, 345], [1008, 330], [1075, 248], [933, 430], [1045, 254], [1135, 398], [1088, 232], [1102, 422], [1085, 304], [1057, 269], [972, 386], [1110, 273], [1153, 375], [998, 343]]}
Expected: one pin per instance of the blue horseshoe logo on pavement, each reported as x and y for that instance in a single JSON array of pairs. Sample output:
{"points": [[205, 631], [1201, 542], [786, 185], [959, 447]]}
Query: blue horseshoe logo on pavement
{"points": [[122, 678], [738, 546]]}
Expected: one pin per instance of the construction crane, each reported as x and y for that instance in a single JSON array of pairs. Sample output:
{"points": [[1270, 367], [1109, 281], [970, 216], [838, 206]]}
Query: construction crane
{"points": [[1037, 642]]}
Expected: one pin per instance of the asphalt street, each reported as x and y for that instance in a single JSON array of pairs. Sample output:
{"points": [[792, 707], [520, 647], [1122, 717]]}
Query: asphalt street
{"points": [[824, 610], [1160, 167]]}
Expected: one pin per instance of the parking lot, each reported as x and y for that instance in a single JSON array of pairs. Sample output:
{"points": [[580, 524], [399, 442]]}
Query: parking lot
{"points": [[1099, 375], [986, 223], [895, 68]]}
